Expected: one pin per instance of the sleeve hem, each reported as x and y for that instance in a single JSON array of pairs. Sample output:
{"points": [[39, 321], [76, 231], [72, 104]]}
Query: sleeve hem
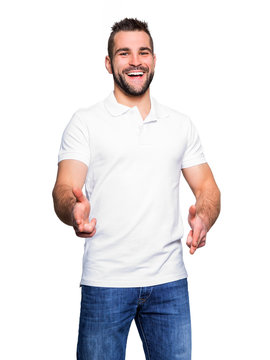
{"points": [[74, 156], [193, 162]]}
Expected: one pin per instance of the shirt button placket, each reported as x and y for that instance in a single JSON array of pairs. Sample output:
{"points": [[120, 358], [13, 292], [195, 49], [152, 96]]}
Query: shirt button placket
{"points": [[143, 134]]}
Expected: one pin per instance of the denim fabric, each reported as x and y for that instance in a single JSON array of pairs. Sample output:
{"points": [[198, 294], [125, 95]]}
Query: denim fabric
{"points": [[161, 313]]}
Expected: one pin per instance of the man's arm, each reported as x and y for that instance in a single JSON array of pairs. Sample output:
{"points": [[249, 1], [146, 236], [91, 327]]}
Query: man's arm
{"points": [[204, 213], [70, 205]]}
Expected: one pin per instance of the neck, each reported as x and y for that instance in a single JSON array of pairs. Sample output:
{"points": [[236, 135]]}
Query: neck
{"points": [[143, 102]]}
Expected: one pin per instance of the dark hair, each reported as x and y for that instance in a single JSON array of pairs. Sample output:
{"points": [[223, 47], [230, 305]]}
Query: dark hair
{"points": [[128, 24]]}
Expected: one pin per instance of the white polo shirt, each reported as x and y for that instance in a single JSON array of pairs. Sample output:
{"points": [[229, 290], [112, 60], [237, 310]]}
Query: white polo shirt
{"points": [[134, 167]]}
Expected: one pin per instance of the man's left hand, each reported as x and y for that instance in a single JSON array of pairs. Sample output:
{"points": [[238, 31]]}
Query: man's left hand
{"points": [[197, 235]]}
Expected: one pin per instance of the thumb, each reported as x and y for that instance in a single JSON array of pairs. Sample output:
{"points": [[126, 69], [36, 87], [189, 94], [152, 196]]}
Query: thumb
{"points": [[77, 192], [192, 211]]}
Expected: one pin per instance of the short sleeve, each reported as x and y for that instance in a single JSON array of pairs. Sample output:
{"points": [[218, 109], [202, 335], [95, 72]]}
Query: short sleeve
{"points": [[75, 141], [194, 153]]}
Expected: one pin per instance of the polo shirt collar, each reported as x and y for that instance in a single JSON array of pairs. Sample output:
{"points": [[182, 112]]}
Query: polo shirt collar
{"points": [[116, 109]]}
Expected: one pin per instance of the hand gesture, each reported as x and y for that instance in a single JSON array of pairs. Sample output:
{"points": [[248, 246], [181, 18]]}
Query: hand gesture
{"points": [[197, 235], [80, 216]]}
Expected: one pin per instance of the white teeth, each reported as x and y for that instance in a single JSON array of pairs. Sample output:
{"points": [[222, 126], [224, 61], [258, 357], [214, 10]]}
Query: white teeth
{"points": [[135, 73]]}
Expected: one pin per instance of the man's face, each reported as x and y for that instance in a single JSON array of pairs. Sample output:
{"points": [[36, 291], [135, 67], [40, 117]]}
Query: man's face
{"points": [[133, 62]]}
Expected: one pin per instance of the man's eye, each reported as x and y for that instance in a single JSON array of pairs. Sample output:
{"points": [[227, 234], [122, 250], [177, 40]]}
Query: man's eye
{"points": [[144, 53], [123, 53]]}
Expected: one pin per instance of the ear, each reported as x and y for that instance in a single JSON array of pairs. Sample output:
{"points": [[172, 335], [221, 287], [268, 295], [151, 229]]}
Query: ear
{"points": [[155, 59], [108, 64]]}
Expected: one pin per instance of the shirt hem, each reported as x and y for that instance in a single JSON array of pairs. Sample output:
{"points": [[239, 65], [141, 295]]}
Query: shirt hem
{"points": [[135, 283]]}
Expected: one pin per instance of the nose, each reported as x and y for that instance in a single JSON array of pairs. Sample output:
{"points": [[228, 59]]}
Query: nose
{"points": [[134, 60]]}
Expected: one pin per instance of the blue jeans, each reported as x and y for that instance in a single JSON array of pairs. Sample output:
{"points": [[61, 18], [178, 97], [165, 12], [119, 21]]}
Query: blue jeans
{"points": [[161, 314]]}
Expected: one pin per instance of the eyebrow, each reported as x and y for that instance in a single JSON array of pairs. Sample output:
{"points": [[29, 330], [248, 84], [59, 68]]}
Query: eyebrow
{"points": [[128, 49]]}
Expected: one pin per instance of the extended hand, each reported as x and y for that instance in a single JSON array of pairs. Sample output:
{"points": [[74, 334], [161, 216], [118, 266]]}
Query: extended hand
{"points": [[197, 235], [80, 215]]}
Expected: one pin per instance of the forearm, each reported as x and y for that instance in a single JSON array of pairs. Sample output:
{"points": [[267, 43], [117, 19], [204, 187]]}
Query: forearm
{"points": [[208, 205], [64, 201]]}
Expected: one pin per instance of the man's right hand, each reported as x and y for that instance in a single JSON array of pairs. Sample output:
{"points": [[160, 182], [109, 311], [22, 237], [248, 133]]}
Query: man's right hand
{"points": [[80, 216]]}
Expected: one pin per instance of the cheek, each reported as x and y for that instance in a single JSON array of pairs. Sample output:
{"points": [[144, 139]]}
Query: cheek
{"points": [[120, 65], [151, 65]]}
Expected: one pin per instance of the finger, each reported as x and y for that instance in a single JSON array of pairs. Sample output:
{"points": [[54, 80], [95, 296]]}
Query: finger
{"points": [[78, 228], [196, 237], [81, 226], [77, 192], [202, 244], [189, 238], [94, 221], [86, 234], [195, 243], [192, 249], [88, 228]]}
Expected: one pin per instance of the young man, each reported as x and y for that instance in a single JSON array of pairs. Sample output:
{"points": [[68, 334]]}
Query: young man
{"points": [[129, 151]]}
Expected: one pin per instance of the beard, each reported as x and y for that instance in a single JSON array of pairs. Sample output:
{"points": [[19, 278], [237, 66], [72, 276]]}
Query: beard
{"points": [[129, 89]]}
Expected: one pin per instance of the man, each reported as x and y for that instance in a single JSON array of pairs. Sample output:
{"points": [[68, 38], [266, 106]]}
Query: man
{"points": [[129, 151]]}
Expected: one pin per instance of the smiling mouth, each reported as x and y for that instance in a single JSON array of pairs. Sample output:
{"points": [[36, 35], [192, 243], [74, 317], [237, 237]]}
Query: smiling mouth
{"points": [[135, 74]]}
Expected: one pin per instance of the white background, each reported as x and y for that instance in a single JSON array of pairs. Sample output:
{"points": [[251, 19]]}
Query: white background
{"points": [[212, 64]]}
